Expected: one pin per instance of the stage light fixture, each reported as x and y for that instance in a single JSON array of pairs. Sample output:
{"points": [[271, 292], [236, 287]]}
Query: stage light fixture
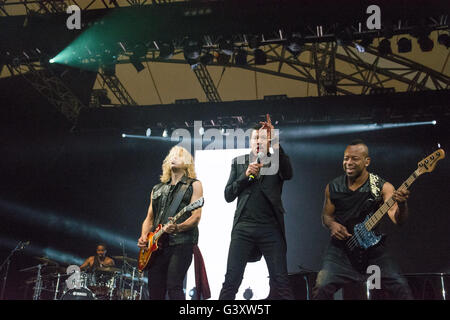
{"points": [[166, 50], [404, 45], [444, 39], [254, 42], [226, 47], [148, 133], [137, 64], [344, 36], [260, 57], [192, 51], [294, 44], [223, 59], [241, 57], [384, 47], [165, 133], [425, 43], [201, 131], [206, 59]]}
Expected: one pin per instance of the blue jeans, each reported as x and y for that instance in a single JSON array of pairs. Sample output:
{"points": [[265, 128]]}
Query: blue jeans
{"points": [[338, 271], [271, 243]]}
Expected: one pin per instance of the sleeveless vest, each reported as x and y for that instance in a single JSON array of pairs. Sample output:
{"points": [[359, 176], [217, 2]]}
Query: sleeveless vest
{"points": [[348, 204], [163, 195]]}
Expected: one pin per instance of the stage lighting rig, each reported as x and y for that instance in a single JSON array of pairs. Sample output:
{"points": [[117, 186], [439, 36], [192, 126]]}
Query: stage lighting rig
{"points": [[404, 45]]}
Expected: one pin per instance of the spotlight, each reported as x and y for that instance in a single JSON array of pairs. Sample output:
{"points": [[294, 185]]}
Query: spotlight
{"points": [[192, 50], [165, 133], [294, 44], [148, 133], [254, 42], [360, 48], [260, 57], [223, 59], [124, 135], [344, 37], [425, 43], [226, 47], [384, 47], [201, 131], [166, 50], [241, 57], [404, 45], [444, 39], [51, 60], [137, 64], [434, 122], [206, 59]]}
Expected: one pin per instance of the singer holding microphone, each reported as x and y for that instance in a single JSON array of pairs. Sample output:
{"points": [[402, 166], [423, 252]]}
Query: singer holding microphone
{"points": [[258, 226]]}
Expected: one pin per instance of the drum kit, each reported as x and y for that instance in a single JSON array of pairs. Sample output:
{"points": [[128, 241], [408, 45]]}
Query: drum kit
{"points": [[55, 282]]}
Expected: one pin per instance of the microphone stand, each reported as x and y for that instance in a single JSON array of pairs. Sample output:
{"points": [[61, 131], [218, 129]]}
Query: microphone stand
{"points": [[7, 262], [122, 282]]}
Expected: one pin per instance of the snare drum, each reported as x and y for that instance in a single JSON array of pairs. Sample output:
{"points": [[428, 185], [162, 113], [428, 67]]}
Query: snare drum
{"points": [[78, 294]]}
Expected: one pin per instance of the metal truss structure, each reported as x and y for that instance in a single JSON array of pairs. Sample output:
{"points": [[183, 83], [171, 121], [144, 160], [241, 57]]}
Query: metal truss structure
{"points": [[50, 86], [205, 80], [21, 7], [328, 57], [322, 64], [117, 88]]}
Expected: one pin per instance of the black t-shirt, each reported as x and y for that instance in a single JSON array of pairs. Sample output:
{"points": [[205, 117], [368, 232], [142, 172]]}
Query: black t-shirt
{"points": [[349, 204]]}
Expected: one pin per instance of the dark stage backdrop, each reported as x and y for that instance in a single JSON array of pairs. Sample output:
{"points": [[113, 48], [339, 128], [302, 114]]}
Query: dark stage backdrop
{"points": [[67, 192]]}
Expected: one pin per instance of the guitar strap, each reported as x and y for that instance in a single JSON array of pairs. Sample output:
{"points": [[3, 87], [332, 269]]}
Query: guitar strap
{"points": [[375, 185], [176, 201]]}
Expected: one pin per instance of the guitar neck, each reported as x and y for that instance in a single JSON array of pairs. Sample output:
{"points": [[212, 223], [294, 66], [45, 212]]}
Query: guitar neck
{"points": [[175, 218], [376, 217]]}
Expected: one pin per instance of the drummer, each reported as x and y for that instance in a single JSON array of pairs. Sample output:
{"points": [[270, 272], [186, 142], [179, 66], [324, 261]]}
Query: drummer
{"points": [[99, 261]]}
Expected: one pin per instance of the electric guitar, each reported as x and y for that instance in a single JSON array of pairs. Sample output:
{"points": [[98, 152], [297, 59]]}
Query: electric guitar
{"points": [[363, 236], [153, 237]]}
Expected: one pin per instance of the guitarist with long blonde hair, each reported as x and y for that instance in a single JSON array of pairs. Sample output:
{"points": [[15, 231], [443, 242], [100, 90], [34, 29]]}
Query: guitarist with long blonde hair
{"points": [[179, 187]]}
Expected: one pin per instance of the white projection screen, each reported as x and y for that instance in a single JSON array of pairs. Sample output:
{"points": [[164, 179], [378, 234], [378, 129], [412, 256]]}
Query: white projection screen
{"points": [[213, 169]]}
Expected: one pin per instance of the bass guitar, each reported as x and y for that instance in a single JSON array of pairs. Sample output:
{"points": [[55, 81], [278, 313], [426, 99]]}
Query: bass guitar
{"points": [[363, 236]]}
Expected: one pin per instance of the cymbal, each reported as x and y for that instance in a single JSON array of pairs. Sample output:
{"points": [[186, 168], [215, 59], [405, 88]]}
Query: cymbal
{"points": [[108, 269], [47, 260], [54, 269], [125, 258]]}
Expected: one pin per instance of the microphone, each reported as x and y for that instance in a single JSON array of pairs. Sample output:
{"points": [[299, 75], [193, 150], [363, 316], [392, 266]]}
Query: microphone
{"points": [[251, 177]]}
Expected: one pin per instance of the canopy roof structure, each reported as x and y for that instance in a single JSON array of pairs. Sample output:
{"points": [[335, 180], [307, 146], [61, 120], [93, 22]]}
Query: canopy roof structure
{"points": [[160, 52]]}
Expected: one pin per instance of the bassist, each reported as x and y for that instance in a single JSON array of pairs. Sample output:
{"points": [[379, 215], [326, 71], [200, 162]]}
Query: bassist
{"points": [[345, 198]]}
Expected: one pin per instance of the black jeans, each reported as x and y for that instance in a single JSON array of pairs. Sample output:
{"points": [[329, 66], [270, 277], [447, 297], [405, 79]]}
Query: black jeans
{"points": [[166, 271], [273, 247], [338, 271]]}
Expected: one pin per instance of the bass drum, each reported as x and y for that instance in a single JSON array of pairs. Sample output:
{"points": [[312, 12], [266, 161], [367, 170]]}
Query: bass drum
{"points": [[78, 294]]}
